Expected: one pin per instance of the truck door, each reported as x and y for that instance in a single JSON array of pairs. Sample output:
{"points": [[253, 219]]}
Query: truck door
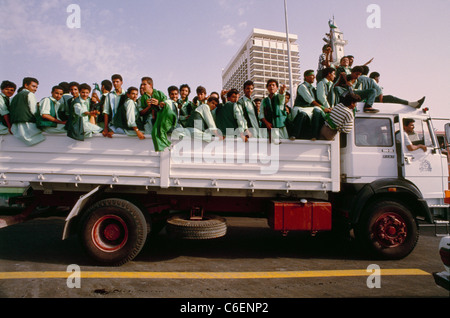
{"points": [[421, 167], [373, 152]]}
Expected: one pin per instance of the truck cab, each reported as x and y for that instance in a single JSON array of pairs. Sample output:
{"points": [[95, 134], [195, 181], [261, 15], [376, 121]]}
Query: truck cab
{"points": [[379, 139], [381, 178]]}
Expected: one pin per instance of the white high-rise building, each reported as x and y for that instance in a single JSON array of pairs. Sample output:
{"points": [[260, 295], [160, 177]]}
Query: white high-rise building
{"points": [[263, 56]]}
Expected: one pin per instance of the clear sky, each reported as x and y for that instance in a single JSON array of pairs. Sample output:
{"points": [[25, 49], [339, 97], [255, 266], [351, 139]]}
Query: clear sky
{"points": [[190, 41]]}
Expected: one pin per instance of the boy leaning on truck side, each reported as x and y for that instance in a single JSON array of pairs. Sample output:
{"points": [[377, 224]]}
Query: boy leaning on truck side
{"points": [[341, 117]]}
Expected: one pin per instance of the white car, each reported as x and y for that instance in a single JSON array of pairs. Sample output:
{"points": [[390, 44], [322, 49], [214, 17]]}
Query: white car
{"points": [[443, 278]]}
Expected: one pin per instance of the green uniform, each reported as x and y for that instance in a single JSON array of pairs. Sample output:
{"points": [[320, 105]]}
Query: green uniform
{"points": [[81, 106], [251, 116], [230, 117], [273, 110], [23, 111], [305, 119], [366, 83], [165, 122], [202, 124], [110, 106], [186, 110], [147, 118], [126, 117], [4, 110], [52, 107], [325, 93]]}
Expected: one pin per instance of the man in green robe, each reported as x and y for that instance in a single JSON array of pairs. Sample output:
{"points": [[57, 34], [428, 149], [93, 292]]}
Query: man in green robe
{"points": [[149, 104], [165, 122]]}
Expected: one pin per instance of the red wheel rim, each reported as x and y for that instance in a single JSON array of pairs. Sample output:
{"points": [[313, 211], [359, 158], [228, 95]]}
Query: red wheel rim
{"points": [[390, 230], [109, 233]]}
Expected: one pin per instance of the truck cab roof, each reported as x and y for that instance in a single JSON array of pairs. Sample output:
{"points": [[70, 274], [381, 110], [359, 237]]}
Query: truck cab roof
{"points": [[392, 109]]}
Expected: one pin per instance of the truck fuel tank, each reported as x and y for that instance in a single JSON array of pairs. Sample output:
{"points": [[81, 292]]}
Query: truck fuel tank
{"points": [[300, 216]]}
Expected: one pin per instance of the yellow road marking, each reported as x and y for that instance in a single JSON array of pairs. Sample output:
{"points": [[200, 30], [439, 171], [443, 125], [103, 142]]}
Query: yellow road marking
{"points": [[211, 275]]}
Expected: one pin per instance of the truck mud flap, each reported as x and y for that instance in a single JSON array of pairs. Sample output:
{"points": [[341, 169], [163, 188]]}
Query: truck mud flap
{"points": [[76, 210]]}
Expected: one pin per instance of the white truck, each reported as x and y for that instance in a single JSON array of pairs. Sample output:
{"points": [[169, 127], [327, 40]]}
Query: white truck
{"points": [[120, 190]]}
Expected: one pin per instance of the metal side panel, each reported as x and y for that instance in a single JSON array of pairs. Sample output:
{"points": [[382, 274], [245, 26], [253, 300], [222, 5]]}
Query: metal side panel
{"points": [[256, 165], [127, 161], [121, 160]]}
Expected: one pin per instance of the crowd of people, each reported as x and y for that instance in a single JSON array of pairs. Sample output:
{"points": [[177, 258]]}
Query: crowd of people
{"points": [[315, 110], [319, 112]]}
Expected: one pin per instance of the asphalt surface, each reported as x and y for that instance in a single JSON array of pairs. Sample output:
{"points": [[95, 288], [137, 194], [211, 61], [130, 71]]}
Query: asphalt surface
{"points": [[250, 263]]}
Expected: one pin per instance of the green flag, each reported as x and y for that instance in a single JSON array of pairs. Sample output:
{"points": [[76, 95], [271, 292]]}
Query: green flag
{"points": [[165, 121]]}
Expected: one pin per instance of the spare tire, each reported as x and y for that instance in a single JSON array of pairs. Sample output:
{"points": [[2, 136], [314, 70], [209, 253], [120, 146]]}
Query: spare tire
{"points": [[210, 227]]}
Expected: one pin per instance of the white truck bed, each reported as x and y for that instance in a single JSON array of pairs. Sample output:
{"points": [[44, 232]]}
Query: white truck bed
{"points": [[189, 164]]}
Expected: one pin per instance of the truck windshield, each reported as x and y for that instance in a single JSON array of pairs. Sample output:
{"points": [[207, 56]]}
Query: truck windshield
{"points": [[373, 132]]}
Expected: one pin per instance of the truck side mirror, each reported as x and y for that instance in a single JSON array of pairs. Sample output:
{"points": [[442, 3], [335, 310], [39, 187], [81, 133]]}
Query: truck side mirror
{"points": [[447, 133]]}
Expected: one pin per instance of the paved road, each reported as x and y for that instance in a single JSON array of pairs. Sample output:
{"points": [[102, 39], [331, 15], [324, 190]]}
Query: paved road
{"points": [[250, 262]]}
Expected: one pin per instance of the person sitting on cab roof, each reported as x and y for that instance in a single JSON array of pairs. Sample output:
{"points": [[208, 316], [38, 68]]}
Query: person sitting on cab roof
{"points": [[349, 83], [393, 99]]}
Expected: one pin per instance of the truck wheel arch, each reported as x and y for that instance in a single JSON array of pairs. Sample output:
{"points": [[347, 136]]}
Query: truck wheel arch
{"points": [[73, 221], [385, 189]]}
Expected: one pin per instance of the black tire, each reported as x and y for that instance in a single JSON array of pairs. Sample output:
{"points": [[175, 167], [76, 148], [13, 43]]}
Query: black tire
{"points": [[211, 227], [113, 231], [388, 229]]}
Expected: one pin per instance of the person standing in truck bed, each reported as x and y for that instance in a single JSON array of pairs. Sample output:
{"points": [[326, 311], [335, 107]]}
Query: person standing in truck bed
{"points": [[250, 110], [272, 112], [185, 106], [23, 111]]}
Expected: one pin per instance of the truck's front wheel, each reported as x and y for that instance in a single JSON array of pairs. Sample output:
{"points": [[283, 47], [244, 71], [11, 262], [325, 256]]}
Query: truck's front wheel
{"points": [[389, 229], [113, 231]]}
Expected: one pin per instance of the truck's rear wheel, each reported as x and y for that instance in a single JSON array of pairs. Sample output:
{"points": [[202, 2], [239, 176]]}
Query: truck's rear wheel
{"points": [[389, 230], [211, 227], [113, 231]]}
